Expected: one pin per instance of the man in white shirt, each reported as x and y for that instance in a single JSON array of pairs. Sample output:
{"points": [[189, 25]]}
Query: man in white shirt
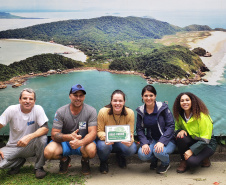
{"points": [[28, 125]]}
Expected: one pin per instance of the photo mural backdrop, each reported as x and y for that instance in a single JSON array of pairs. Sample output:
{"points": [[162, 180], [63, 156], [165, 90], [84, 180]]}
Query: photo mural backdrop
{"points": [[52, 91]]}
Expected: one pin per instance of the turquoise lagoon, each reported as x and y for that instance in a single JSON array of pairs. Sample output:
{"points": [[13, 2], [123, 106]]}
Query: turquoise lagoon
{"points": [[52, 93]]}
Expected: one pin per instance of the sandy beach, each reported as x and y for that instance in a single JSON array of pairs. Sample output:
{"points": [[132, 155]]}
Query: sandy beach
{"points": [[216, 45], [13, 50]]}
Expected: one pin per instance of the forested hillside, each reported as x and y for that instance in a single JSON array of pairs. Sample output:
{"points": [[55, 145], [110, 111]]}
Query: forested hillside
{"points": [[167, 63], [100, 30], [37, 64], [100, 38], [128, 42]]}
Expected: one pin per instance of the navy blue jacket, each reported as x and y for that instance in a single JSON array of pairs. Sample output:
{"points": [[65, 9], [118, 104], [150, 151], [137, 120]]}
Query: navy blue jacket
{"points": [[165, 123]]}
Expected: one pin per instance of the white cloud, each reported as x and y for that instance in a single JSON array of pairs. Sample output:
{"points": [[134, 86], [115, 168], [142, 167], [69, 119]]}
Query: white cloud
{"points": [[114, 4]]}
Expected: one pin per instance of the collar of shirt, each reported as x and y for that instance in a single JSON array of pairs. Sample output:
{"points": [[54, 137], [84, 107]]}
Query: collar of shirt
{"points": [[154, 112]]}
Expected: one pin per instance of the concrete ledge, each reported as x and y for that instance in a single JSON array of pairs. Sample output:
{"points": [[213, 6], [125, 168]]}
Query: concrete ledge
{"points": [[217, 157]]}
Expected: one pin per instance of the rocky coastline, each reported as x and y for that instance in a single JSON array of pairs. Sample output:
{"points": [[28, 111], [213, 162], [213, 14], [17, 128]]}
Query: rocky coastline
{"points": [[185, 81], [20, 80], [17, 81]]}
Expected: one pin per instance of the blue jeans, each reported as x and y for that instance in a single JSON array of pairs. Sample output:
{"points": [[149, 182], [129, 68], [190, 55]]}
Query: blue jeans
{"points": [[104, 150], [162, 156]]}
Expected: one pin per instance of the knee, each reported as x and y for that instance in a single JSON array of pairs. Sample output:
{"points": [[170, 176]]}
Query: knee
{"points": [[92, 150], [132, 149], [143, 156], [184, 140], [101, 146], [180, 141], [192, 163], [92, 153], [158, 155], [49, 152]]}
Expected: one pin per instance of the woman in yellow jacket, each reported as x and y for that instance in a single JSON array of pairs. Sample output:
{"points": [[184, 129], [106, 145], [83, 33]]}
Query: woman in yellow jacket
{"points": [[115, 113], [193, 131]]}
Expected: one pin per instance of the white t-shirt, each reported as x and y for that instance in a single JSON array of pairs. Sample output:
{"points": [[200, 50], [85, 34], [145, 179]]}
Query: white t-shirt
{"points": [[22, 124]]}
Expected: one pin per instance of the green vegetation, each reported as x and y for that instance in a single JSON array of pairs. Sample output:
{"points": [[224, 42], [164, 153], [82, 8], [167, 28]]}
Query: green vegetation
{"points": [[6, 72], [128, 42], [26, 176], [38, 64], [167, 63], [100, 38], [196, 27]]}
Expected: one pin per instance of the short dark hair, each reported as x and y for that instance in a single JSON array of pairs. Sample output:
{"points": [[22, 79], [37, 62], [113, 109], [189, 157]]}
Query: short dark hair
{"points": [[28, 90], [149, 88]]}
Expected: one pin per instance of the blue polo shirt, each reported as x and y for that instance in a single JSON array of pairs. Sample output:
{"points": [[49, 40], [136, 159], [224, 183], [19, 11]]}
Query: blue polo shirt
{"points": [[150, 121]]}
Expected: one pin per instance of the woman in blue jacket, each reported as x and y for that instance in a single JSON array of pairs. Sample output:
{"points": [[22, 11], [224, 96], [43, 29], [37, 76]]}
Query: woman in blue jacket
{"points": [[155, 130]]}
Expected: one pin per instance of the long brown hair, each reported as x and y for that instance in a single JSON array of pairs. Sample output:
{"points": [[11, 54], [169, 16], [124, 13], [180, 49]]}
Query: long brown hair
{"points": [[197, 106], [123, 113]]}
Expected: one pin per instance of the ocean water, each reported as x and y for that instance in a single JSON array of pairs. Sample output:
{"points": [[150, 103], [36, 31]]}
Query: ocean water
{"points": [[52, 93]]}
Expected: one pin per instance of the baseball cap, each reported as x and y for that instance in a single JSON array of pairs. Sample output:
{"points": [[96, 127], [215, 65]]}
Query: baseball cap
{"points": [[77, 87]]}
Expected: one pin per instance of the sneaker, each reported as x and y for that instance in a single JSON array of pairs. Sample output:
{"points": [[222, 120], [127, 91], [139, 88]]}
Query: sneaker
{"points": [[16, 170], [121, 161], [40, 173], [206, 163], [64, 165], [153, 165], [104, 167], [85, 166], [162, 169]]}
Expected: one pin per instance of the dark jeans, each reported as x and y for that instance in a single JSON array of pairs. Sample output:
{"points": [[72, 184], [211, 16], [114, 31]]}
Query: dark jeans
{"points": [[183, 145]]}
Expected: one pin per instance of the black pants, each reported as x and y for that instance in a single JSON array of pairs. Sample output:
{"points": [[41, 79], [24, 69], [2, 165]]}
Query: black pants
{"points": [[183, 145]]}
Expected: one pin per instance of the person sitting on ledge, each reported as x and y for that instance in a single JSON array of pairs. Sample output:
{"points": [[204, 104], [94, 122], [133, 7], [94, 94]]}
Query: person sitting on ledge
{"points": [[193, 131], [28, 125], [155, 131], [74, 131], [115, 113]]}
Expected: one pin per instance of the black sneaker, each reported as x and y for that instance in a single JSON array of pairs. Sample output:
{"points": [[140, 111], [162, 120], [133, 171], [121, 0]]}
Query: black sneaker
{"points": [[153, 165], [104, 167], [85, 166], [64, 165], [121, 161], [16, 170], [40, 173], [162, 169]]}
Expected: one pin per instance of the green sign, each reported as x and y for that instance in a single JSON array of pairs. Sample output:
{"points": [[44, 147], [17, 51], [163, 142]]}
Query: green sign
{"points": [[117, 133]]}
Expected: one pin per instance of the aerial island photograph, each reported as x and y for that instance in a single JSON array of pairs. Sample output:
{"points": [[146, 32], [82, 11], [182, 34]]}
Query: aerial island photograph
{"points": [[156, 65]]}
